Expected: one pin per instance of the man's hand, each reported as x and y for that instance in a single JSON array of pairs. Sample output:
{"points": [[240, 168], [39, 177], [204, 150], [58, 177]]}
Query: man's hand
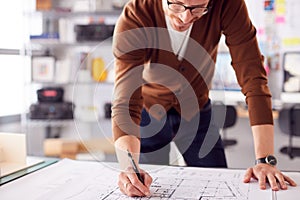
{"points": [[130, 185], [265, 173]]}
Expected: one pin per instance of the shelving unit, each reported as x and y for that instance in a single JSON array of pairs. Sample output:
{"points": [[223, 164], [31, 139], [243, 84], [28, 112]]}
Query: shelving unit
{"points": [[51, 34]]}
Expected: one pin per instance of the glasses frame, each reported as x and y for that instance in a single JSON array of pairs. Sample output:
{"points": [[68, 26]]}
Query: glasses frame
{"points": [[191, 8]]}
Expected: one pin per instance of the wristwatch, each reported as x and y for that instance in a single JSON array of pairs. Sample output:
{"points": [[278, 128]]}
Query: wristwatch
{"points": [[270, 159]]}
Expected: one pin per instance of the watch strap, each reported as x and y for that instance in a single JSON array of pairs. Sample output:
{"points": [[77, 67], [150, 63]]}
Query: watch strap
{"points": [[260, 160], [270, 160]]}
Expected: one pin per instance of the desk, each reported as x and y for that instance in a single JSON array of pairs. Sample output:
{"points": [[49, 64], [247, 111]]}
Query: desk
{"points": [[26, 171], [69, 179]]}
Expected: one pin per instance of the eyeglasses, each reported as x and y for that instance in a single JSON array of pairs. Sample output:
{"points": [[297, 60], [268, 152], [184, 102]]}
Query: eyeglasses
{"points": [[195, 10]]}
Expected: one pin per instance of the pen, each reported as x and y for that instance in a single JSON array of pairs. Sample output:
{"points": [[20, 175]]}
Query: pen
{"points": [[135, 167]]}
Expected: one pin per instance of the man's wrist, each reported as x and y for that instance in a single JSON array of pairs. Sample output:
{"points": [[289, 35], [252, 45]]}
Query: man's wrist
{"points": [[270, 160]]}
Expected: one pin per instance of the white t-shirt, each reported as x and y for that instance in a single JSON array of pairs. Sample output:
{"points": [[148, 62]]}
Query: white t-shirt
{"points": [[178, 39]]}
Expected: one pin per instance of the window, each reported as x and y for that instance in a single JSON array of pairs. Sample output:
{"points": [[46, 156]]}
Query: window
{"points": [[11, 64]]}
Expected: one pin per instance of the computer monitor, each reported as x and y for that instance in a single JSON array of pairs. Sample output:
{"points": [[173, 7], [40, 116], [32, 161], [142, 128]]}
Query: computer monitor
{"points": [[291, 70], [224, 77]]}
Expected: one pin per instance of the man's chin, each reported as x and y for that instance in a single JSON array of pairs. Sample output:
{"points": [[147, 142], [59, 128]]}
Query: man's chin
{"points": [[181, 27]]}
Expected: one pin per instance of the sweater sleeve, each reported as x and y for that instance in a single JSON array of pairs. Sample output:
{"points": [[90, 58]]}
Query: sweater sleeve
{"points": [[247, 60], [129, 49]]}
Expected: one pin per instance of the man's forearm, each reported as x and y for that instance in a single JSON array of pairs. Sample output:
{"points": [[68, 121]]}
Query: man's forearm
{"points": [[263, 136], [124, 143]]}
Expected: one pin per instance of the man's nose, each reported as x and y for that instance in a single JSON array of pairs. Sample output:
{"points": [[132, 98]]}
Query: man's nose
{"points": [[186, 16]]}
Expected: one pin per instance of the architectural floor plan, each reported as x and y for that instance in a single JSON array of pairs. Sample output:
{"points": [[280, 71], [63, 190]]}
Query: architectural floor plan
{"points": [[77, 180], [191, 183]]}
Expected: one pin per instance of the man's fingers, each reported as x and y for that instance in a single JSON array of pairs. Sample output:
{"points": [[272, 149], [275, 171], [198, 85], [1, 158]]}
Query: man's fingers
{"points": [[132, 191], [147, 179], [138, 184], [262, 181], [289, 180], [273, 182], [281, 181], [248, 175], [269, 175], [127, 187]]}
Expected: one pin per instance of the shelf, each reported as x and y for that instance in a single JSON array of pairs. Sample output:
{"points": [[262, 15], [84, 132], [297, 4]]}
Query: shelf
{"points": [[54, 14], [62, 122], [44, 84], [55, 34], [52, 123], [57, 43]]}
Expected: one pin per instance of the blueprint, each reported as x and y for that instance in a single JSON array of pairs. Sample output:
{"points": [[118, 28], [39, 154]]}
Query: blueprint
{"points": [[77, 180], [192, 183]]}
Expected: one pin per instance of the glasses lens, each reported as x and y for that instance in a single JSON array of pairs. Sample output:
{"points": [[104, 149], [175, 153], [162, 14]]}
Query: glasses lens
{"points": [[176, 8], [199, 11]]}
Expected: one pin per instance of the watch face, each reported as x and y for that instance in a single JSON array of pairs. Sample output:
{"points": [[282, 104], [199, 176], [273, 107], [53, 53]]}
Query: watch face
{"points": [[271, 160]]}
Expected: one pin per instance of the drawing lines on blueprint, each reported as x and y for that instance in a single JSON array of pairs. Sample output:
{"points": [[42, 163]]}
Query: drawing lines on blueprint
{"points": [[192, 184]]}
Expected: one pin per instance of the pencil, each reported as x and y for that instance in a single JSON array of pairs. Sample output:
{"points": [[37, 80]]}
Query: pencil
{"points": [[135, 167]]}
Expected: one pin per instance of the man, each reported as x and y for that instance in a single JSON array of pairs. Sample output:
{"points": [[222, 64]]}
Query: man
{"points": [[165, 51]]}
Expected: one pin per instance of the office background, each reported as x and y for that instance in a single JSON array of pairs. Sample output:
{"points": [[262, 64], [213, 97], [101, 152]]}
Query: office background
{"points": [[278, 34]]}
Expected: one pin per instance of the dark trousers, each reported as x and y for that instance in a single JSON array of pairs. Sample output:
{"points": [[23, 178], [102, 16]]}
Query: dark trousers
{"points": [[198, 140]]}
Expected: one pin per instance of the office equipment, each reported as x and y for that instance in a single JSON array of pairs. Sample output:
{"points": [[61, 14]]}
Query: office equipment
{"points": [[50, 94], [48, 111], [107, 110], [51, 105], [291, 69], [225, 116], [93, 32], [289, 117], [69, 179], [224, 78], [135, 167]]}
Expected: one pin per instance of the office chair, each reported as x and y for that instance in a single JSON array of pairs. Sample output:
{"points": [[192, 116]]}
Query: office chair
{"points": [[289, 123], [224, 116]]}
